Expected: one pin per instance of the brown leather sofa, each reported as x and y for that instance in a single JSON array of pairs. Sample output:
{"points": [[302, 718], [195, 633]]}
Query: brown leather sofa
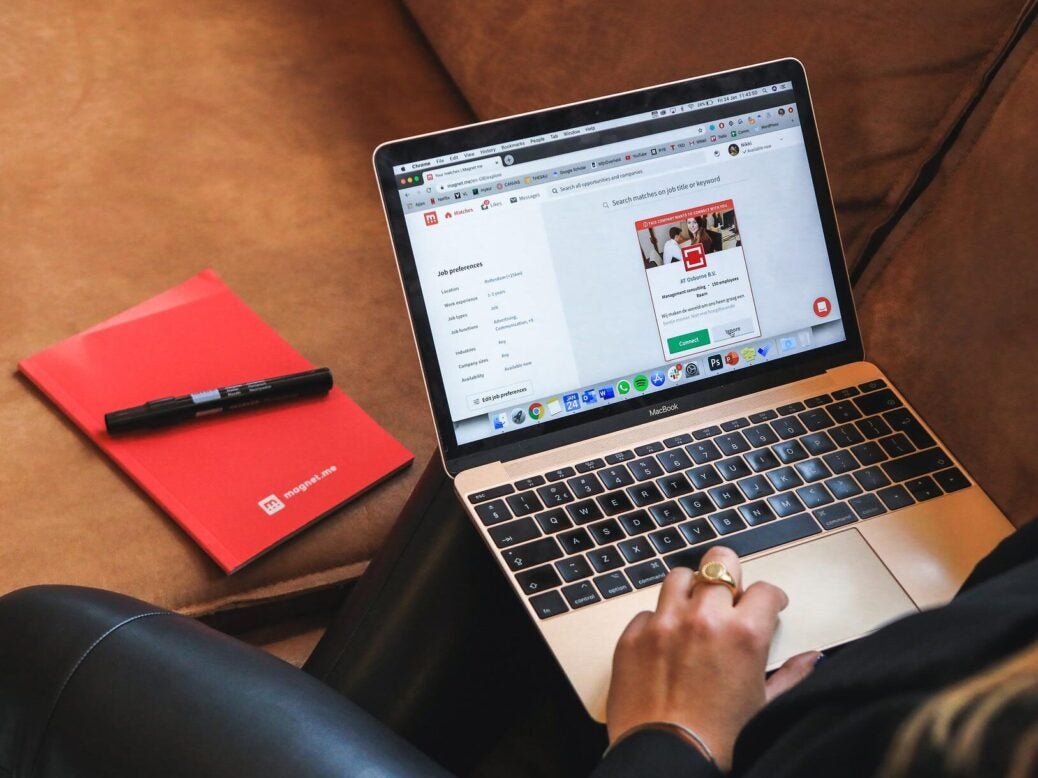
{"points": [[143, 142]]}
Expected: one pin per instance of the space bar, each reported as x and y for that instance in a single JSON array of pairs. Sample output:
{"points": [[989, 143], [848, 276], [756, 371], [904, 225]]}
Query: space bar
{"points": [[775, 533]]}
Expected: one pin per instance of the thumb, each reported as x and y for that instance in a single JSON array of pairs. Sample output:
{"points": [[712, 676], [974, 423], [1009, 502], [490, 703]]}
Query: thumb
{"points": [[793, 671]]}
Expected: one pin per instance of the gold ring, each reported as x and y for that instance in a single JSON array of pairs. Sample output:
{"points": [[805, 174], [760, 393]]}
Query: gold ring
{"points": [[716, 573]]}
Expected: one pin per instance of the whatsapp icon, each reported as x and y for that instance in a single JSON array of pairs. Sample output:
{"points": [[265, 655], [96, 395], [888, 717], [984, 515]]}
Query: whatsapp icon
{"points": [[623, 387]]}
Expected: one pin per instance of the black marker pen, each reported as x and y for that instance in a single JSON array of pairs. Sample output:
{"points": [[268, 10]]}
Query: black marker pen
{"points": [[173, 410]]}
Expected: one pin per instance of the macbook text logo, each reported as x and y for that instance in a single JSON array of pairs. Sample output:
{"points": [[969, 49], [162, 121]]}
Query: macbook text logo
{"points": [[663, 409]]}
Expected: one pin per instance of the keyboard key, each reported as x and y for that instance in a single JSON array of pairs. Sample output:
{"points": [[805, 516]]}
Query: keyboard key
{"points": [[867, 506], [733, 468], [538, 580], [647, 573], [697, 505], [814, 495], [532, 554], [789, 427], [791, 408], [584, 511], [668, 539], [648, 448], [697, 531], [785, 504], [815, 402], [559, 474], [574, 568], [842, 394], [637, 522], [619, 456], [492, 512], [703, 452], [529, 483], [895, 497], [677, 440], [871, 478], [924, 488], [512, 532], [666, 513], [613, 584], [816, 419], [761, 435], [755, 487], [580, 594], [732, 443], [674, 460], [813, 470], [901, 419], [869, 453], [706, 432], [615, 477], [770, 535], [554, 494], [757, 418], [576, 541], [644, 494], [674, 485], [726, 496], [843, 412], [871, 386], [726, 522], [915, 465], [846, 435], [607, 531], [897, 445], [835, 516], [843, 487], [614, 503], [637, 549], [877, 402], [818, 443], [644, 469], [952, 480], [585, 485], [785, 478], [755, 513], [761, 460], [491, 493], [789, 451], [603, 559], [553, 521], [704, 477], [548, 604], [589, 464], [735, 424], [524, 503], [841, 461], [873, 427]]}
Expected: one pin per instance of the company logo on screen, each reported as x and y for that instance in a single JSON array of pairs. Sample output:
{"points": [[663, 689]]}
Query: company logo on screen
{"points": [[694, 257], [430, 218]]}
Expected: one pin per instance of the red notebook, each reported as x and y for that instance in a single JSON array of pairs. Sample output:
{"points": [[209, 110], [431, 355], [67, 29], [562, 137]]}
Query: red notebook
{"points": [[238, 483]]}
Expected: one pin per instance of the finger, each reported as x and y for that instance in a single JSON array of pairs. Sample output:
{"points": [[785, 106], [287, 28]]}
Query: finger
{"points": [[793, 671], [712, 595], [677, 586], [631, 631], [761, 604]]}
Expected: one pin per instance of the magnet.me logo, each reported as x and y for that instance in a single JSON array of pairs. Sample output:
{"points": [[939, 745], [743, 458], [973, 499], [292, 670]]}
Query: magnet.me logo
{"points": [[271, 504]]}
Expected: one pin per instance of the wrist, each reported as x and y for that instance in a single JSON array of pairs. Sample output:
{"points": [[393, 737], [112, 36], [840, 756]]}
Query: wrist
{"points": [[687, 734]]}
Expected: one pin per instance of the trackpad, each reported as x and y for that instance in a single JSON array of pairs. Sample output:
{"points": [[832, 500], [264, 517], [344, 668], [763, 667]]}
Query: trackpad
{"points": [[838, 590]]}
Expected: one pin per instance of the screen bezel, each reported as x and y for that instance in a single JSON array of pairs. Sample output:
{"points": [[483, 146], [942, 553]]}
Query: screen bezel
{"points": [[633, 411]]}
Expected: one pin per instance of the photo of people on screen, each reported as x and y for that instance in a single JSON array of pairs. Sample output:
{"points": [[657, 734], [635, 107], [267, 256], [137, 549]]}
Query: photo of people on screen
{"points": [[666, 243]]}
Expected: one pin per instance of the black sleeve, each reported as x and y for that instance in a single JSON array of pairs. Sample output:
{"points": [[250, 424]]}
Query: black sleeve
{"points": [[656, 753]]}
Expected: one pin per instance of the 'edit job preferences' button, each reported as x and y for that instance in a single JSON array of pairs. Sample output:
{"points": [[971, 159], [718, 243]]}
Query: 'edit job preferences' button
{"points": [[688, 341]]}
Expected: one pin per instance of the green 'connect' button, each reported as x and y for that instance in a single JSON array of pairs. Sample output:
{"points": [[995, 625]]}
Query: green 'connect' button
{"points": [[688, 341]]}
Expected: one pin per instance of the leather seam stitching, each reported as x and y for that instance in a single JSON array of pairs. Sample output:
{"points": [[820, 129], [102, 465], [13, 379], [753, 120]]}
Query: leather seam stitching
{"points": [[72, 672]]}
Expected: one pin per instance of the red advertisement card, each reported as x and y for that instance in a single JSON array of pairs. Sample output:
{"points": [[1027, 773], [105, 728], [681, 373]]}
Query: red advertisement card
{"points": [[237, 483]]}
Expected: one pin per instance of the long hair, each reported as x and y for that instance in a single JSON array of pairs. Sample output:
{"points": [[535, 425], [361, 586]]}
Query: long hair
{"points": [[985, 725]]}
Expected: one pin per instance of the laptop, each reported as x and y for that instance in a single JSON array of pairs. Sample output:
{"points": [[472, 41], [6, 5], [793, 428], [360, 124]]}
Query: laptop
{"points": [[639, 341]]}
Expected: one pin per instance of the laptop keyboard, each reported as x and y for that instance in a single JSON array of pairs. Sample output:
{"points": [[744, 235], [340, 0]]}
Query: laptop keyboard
{"points": [[601, 528]]}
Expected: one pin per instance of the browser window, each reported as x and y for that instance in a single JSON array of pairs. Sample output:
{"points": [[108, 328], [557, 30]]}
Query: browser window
{"points": [[560, 277]]}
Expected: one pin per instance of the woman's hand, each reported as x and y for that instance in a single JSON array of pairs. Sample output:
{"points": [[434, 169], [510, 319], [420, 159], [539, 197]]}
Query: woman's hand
{"points": [[699, 659]]}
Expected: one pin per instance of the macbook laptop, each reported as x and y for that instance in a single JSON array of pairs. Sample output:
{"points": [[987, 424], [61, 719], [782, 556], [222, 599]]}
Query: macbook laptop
{"points": [[639, 342]]}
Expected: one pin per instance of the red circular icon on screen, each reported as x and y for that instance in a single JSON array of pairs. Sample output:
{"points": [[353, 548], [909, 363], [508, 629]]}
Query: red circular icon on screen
{"points": [[822, 307], [731, 358]]}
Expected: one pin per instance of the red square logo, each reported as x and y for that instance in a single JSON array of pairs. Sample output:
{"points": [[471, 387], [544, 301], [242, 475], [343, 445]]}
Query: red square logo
{"points": [[430, 218], [694, 256]]}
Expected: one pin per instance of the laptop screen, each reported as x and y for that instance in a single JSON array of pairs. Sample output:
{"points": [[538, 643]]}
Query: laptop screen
{"points": [[598, 264]]}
